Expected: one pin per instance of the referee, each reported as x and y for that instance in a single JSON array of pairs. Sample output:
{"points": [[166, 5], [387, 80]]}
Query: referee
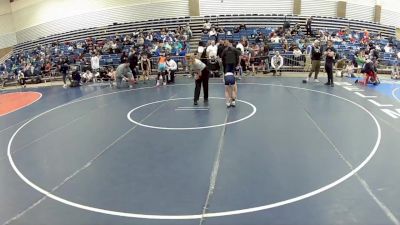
{"points": [[202, 75]]}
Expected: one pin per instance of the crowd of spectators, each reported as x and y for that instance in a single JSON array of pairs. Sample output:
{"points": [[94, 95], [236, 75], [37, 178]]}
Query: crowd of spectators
{"points": [[259, 45], [98, 56]]}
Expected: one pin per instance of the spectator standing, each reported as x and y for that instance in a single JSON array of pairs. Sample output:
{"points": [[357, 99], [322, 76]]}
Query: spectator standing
{"points": [[95, 63], [308, 26], [133, 63], [316, 54], [63, 70]]}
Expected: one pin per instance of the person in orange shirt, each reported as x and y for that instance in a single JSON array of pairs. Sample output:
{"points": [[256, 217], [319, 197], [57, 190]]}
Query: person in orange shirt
{"points": [[162, 67]]}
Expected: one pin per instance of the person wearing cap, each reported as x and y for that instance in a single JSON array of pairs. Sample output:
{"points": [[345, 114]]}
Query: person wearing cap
{"points": [[316, 54], [202, 75], [277, 63], [123, 73]]}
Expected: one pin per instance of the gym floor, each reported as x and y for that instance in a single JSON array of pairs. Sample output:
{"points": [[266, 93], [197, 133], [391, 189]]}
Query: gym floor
{"points": [[289, 153]]}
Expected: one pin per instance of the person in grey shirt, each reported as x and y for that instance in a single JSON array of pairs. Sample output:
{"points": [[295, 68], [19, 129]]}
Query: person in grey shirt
{"points": [[123, 73]]}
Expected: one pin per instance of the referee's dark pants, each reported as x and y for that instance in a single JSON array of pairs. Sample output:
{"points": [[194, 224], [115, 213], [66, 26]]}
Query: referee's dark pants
{"points": [[205, 74], [329, 71]]}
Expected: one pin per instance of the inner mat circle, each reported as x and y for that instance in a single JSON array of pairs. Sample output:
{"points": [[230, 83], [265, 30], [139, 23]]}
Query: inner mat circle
{"points": [[177, 109]]}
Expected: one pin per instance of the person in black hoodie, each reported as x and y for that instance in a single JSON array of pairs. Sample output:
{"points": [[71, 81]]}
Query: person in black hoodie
{"points": [[308, 26], [330, 54], [230, 58], [133, 64], [63, 70]]}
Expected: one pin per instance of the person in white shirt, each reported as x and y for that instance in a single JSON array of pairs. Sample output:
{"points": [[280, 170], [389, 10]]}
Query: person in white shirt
{"points": [[171, 68], [277, 63], [206, 26], [275, 39], [297, 52], [213, 34], [87, 76], [95, 62], [202, 75], [212, 50], [388, 48], [240, 46], [349, 70]]}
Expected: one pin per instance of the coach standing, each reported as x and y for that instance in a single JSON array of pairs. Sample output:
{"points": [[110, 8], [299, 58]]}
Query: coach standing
{"points": [[230, 58], [330, 53], [123, 73], [133, 63], [316, 54]]}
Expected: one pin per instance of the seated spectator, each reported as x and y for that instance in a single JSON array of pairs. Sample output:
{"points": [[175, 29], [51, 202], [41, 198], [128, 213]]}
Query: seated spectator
{"points": [[340, 67], [263, 59], [349, 70], [111, 74], [389, 48], [171, 69], [187, 32], [240, 46], [87, 76], [275, 38], [296, 29], [285, 46], [212, 50], [75, 78], [140, 40], [201, 48], [206, 27], [124, 57], [149, 37], [297, 52], [260, 38], [213, 35]]}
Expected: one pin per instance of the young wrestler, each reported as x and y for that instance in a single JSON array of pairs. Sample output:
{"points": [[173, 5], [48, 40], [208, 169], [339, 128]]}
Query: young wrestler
{"points": [[145, 67], [230, 89], [162, 68]]}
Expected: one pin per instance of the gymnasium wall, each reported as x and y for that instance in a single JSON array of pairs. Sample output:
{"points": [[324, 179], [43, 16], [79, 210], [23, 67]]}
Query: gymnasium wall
{"points": [[47, 17], [220, 7], [7, 32], [391, 12]]}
